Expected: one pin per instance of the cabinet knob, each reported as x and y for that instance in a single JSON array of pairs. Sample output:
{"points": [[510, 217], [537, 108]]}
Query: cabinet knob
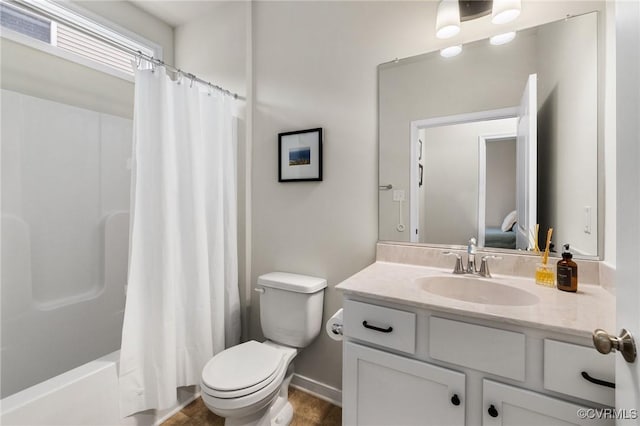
{"points": [[492, 411], [455, 400]]}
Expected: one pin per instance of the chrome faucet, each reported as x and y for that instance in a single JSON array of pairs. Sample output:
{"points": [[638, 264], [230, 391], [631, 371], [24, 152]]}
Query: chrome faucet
{"points": [[484, 265], [471, 261], [458, 268], [471, 256]]}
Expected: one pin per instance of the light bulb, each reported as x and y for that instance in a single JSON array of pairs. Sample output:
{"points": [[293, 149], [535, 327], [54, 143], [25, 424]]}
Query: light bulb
{"points": [[451, 51], [504, 11], [504, 38], [447, 19]]}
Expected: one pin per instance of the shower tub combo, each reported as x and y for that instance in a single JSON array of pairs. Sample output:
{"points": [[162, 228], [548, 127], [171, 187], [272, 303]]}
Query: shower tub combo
{"points": [[65, 231]]}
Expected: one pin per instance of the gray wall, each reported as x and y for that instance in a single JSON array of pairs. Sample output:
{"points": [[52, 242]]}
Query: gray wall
{"points": [[568, 131], [501, 181], [314, 64], [449, 214]]}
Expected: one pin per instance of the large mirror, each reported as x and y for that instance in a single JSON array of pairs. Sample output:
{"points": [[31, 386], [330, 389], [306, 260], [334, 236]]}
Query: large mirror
{"points": [[494, 143]]}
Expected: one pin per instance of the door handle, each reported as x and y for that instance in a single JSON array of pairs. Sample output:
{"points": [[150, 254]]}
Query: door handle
{"points": [[625, 344]]}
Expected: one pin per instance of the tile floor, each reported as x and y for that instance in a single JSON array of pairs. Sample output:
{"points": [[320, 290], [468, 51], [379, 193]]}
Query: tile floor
{"points": [[308, 411]]}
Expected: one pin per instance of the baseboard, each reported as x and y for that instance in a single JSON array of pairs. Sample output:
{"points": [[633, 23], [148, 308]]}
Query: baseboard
{"points": [[177, 409], [317, 389]]}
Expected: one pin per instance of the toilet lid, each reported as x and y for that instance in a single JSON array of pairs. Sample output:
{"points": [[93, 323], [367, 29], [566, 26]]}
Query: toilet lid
{"points": [[242, 366]]}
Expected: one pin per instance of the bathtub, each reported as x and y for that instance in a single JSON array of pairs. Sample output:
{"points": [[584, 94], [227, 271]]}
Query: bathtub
{"points": [[86, 395]]}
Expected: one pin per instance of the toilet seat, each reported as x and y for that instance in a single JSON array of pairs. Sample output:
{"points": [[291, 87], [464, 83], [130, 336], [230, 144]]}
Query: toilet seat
{"points": [[265, 363], [242, 370]]}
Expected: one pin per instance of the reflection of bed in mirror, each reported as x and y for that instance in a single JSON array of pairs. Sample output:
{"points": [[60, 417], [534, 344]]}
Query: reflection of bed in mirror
{"points": [[497, 238]]}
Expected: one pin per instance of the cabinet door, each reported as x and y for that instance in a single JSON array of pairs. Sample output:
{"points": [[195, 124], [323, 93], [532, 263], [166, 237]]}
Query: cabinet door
{"points": [[384, 389], [507, 406]]}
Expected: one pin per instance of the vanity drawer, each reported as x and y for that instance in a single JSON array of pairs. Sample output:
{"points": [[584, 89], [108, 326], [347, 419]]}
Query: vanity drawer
{"points": [[482, 348], [383, 326], [564, 364]]}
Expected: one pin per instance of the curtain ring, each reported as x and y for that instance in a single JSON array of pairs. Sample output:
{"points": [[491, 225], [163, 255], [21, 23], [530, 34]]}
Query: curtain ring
{"points": [[209, 91], [191, 85], [179, 79]]}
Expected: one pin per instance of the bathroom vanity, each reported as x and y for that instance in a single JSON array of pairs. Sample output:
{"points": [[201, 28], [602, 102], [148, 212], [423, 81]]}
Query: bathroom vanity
{"points": [[425, 347]]}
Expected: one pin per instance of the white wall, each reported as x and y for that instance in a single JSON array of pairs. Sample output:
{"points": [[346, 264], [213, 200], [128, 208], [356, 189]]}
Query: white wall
{"points": [[449, 214], [65, 202], [35, 73], [501, 181], [568, 131], [608, 172], [314, 64]]}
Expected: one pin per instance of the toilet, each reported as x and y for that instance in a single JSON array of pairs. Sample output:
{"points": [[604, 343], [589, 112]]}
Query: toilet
{"points": [[248, 384]]}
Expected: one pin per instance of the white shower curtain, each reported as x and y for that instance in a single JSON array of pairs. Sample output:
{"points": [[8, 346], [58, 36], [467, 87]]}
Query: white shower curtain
{"points": [[182, 299]]}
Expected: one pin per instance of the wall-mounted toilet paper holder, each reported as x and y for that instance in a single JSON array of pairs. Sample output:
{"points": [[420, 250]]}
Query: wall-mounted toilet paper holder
{"points": [[336, 329], [334, 326]]}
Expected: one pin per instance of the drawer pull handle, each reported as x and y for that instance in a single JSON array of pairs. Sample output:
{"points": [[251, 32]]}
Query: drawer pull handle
{"points": [[373, 327], [455, 400], [492, 411], [597, 381]]}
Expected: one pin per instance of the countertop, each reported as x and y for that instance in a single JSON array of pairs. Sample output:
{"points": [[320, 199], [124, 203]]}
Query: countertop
{"points": [[570, 313]]}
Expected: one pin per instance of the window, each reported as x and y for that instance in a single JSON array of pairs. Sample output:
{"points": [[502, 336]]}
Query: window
{"points": [[70, 32], [26, 24]]}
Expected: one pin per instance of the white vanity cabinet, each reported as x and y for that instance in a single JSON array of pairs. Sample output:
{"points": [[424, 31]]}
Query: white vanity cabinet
{"points": [[511, 406], [386, 389], [412, 366]]}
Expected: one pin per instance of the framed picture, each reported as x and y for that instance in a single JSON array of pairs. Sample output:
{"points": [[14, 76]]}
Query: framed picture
{"points": [[300, 156]]}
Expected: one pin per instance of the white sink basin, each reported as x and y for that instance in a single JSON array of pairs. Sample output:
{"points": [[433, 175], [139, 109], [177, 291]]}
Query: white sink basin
{"points": [[476, 290]]}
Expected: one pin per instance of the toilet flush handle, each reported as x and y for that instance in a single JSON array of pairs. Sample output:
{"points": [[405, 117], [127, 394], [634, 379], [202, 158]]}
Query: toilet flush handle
{"points": [[259, 290]]}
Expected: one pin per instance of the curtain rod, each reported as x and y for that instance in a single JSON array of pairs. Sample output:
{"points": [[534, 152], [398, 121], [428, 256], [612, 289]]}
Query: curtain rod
{"points": [[120, 46]]}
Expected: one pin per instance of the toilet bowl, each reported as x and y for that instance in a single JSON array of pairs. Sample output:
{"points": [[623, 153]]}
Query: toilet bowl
{"points": [[243, 382], [248, 384]]}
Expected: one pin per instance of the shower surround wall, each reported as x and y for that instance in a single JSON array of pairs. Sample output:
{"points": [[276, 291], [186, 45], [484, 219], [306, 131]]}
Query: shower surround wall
{"points": [[66, 135], [65, 226]]}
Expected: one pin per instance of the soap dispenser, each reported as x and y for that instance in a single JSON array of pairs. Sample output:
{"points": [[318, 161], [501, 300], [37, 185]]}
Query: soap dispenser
{"points": [[567, 272]]}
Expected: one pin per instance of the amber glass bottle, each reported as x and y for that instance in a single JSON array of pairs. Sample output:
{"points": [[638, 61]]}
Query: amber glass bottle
{"points": [[567, 272]]}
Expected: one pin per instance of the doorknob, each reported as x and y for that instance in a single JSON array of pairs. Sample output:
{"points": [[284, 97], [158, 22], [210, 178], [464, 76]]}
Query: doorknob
{"points": [[605, 343]]}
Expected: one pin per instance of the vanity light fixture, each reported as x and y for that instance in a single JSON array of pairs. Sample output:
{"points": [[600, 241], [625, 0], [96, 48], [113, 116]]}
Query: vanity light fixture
{"points": [[447, 19], [504, 38], [451, 12], [451, 51], [504, 11]]}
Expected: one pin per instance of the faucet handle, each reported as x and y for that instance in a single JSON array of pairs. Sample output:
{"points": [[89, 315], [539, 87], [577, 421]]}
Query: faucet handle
{"points": [[484, 265], [490, 256], [458, 268]]}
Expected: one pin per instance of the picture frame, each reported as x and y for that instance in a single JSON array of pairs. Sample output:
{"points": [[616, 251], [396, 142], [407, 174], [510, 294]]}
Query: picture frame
{"points": [[300, 156]]}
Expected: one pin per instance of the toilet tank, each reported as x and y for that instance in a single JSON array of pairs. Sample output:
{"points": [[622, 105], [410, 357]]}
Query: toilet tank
{"points": [[291, 307]]}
